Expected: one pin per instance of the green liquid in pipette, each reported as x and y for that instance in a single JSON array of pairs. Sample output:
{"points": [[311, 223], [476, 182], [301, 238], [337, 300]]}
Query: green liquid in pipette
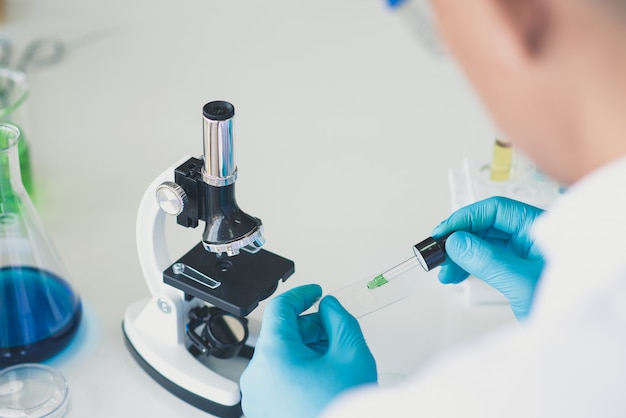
{"points": [[377, 281]]}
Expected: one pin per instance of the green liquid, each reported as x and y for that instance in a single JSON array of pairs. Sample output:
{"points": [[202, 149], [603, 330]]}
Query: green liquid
{"points": [[23, 151], [377, 281], [24, 154]]}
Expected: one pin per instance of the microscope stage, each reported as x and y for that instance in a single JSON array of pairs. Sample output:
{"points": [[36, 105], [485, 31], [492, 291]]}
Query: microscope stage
{"points": [[235, 284]]}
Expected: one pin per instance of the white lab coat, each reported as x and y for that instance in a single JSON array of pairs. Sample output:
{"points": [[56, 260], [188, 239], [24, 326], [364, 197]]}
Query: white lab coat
{"points": [[569, 358]]}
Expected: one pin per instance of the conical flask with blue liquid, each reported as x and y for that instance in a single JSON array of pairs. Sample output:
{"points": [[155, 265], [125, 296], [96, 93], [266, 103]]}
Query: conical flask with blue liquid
{"points": [[39, 310]]}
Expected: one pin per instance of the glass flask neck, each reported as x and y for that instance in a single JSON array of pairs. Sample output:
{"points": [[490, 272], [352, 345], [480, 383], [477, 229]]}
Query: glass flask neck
{"points": [[14, 93], [10, 173]]}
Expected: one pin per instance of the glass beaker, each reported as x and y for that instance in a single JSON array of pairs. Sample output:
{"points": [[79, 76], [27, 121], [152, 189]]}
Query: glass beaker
{"points": [[14, 92], [39, 311]]}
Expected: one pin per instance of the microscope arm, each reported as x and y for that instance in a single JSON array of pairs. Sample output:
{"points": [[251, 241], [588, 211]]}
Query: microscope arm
{"points": [[151, 243]]}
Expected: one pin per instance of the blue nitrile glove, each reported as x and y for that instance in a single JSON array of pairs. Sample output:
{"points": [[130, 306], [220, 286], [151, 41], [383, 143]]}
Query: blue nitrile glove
{"points": [[496, 248], [302, 362]]}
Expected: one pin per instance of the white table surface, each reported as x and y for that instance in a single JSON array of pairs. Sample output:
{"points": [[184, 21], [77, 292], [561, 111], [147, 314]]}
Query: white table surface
{"points": [[346, 128]]}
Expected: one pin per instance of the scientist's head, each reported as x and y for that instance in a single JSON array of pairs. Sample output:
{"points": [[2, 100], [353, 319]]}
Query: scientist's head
{"points": [[551, 72]]}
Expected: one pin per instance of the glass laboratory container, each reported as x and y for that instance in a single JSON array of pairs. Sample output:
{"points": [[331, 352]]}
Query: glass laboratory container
{"points": [[39, 311], [14, 92]]}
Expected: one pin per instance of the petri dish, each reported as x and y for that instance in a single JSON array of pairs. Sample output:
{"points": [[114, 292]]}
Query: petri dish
{"points": [[32, 390]]}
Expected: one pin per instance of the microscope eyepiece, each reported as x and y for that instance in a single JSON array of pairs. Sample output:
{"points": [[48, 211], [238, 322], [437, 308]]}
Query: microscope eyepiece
{"points": [[219, 151], [218, 110]]}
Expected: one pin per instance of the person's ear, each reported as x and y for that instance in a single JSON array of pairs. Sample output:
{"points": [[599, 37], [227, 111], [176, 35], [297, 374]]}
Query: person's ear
{"points": [[527, 22]]}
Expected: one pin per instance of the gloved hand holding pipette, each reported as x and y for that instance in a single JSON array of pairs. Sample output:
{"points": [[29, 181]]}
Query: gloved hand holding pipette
{"points": [[493, 242]]}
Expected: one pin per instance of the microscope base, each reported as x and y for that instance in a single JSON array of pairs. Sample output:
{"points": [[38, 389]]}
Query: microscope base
{"points": [[214, 408], [157, 346]]}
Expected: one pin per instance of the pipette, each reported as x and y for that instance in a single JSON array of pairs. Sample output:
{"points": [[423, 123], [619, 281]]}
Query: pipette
{"points": [[429, 253], [369, 295]]}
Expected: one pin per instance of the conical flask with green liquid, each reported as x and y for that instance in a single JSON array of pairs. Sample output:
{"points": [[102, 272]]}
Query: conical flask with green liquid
{"points": [[39, 310]]}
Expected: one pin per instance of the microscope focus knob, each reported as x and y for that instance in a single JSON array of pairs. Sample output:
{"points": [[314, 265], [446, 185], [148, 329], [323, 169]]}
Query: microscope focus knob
{"points": [[171, 198]]}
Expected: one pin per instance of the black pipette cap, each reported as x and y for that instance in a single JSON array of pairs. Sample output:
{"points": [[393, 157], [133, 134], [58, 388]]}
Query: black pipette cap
{"points": [[431, 252]]}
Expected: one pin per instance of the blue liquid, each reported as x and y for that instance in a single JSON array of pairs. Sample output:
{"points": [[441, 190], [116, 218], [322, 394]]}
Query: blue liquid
{"points": [[39, 315]]}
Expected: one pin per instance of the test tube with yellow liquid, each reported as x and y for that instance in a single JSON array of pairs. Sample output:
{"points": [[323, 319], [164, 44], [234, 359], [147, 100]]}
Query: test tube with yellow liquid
{"points": [[502, 161]]}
